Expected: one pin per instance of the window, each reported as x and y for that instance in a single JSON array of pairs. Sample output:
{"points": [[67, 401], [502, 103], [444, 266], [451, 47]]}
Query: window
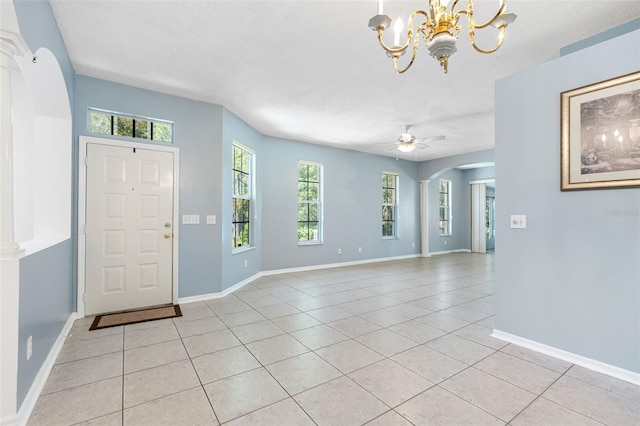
{"points": [[445, 207], [242, 194], [309, 203], [116, 124], [389, 204], [489, 214]]}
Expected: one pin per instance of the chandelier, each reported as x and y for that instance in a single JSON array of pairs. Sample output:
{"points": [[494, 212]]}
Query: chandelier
{"points": [[439, 30]]}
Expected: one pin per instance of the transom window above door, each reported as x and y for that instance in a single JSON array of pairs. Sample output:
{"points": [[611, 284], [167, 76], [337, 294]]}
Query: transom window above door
{"points": [[130, 126]]}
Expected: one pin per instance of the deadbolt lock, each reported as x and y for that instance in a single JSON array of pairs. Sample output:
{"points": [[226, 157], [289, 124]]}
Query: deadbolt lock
{"points": [[167, 225]]}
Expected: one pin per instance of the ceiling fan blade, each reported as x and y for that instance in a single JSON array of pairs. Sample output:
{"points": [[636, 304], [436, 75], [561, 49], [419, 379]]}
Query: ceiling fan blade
{"points": [[433, 138]]}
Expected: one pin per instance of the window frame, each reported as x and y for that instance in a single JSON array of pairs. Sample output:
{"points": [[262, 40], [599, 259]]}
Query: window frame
{"points": [[319, 203], [393, 205], [248, 197], [490, 216], [447, 206], [114, 116]]}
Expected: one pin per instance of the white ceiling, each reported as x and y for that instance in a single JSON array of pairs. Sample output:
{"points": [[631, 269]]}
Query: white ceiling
{"points": [[313, 71]]}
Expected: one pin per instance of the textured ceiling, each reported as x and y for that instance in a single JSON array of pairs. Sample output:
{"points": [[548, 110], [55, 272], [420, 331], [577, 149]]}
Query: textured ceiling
{"points": [[313, 71]]}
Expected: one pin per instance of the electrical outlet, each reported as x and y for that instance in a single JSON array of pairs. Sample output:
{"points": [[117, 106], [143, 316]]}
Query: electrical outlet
{"points": [[339, 251], [211, 219], [359, 249], [246, 263], [29, 347], [445, 242], [413, 245]]}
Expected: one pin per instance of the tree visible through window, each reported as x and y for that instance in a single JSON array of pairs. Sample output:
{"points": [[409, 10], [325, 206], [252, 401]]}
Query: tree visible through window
{"points": [[445, 207], [117, 124], [489, 214], [389, 204], [241, 203], [309, 202]]}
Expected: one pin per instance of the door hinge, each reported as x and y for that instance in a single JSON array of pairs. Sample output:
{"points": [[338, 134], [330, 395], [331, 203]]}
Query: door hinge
{"points": [[84, 229], [84, 297], [86, 160]]}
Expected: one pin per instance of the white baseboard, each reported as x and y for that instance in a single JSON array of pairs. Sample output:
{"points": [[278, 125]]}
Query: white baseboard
{"points": [[591, 364], [436, 253], [223, 293], [235, 287], [30, 400], [199, 298], [337, 265]]}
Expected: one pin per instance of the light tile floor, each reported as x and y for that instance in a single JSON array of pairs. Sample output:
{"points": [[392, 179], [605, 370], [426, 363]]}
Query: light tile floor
{"points": [[392, 343]]}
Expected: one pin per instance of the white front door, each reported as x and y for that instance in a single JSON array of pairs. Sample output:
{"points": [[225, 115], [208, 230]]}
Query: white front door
{"points": [[129, 228]]}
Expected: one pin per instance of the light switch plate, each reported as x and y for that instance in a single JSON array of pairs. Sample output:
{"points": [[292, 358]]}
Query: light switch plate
{"points": [[190, 219], [211, 219], [519, 221]]}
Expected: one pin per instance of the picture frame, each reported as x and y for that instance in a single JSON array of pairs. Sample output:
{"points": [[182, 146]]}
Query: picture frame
{"points": [[600, 135]]}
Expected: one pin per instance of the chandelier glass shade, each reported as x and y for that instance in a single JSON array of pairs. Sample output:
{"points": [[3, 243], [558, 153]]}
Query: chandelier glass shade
{"points": [[439, 30]]}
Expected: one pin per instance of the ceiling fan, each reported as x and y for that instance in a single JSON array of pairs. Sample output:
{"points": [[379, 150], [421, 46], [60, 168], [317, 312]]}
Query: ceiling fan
{"points": [[408, 142]]}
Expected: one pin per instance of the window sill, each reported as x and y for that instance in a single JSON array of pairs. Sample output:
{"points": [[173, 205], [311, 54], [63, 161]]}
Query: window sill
{"points": [[390, 238], [446, 235], [310, 243], [242, 249]]}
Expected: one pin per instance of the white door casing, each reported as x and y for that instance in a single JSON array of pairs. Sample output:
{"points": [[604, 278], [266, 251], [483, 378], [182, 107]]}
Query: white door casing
{"points": [[128, 228]]}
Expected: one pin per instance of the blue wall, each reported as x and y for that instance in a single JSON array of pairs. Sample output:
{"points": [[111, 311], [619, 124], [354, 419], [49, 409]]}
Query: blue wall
{"points": [[205, 134], [446, 168], [46, 278], [352, 199], [603, 36], [569, 294], [45, 306], [233, 269], [430, 169], [571, 280], [40, 29], [480, 173], [198, 130], [460, 238]]}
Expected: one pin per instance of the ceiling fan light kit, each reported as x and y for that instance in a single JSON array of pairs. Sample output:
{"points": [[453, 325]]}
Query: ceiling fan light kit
{"points": [[439, 30], [408, 142], [406, 146]]}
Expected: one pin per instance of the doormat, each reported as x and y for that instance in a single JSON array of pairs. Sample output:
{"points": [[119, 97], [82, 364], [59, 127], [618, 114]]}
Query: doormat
{"points": [[132, 317]]}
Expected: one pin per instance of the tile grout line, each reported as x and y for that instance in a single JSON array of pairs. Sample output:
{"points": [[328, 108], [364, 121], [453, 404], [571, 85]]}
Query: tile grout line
{"points": [[355, 281], [538, 397], [384, 358], [453, 375], [344, 374], [196, 371], [271, 375]]}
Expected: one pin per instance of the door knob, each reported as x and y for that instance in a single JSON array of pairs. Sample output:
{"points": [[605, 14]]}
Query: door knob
{"points": [[167, 235]]}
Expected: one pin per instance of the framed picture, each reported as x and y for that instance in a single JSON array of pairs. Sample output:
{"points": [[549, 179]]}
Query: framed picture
{"points": [[601, 135]]}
